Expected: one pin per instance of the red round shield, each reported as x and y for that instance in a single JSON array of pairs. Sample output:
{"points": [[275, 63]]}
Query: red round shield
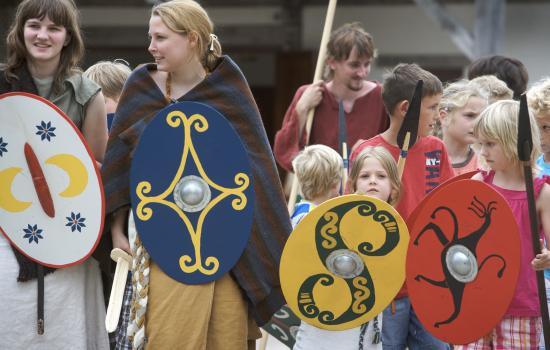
{"points": [[414, 214], [462, 261]]}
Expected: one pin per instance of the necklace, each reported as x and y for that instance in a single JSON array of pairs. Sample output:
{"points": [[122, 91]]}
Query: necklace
{"points": [[168, 88]]}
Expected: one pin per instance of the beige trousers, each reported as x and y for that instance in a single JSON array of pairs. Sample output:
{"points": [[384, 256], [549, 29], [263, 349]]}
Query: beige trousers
{"points": [[211, 316]]}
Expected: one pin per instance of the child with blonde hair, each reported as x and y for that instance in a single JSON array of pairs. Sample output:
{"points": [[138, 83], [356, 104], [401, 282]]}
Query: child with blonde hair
{"points": [[496, 130], [375, 165], [508, 69], [111, 76], [374, 173], [538, 98], [318, 169], [459, 108], [493, 87]]}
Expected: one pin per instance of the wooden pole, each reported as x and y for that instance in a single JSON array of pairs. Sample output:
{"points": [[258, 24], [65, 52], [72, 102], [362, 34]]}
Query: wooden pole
{"points": [[345, 168], [543, 303], [403, 155], [525, 147], [319, 68], [316, 77], [263, 340], [342, 140]]}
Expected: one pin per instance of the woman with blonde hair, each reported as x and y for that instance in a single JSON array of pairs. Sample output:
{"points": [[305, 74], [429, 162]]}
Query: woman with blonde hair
{"points": [[189, 66]]}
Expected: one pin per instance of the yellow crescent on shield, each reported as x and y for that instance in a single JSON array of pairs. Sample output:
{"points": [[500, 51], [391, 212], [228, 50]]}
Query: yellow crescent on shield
{"points": [[78, 175], [7, 200]]}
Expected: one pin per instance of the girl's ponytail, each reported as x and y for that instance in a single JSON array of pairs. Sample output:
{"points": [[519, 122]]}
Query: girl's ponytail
{"points": [[213, 52]]}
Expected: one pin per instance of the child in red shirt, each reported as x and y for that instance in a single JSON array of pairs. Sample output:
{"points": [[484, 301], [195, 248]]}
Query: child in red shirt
{"points": [[426, 167]]}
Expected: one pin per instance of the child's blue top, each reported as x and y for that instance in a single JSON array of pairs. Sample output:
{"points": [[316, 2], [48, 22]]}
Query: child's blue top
{"points": [[300, 210]]}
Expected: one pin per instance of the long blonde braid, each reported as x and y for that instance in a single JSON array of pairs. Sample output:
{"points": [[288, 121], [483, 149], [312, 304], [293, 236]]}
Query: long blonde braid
{"points": [[140, 288]]}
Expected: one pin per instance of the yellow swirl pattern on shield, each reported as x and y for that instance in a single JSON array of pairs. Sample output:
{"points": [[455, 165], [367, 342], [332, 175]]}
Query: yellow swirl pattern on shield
{"points": [[144, 213], [328, 230], [362, 294]]}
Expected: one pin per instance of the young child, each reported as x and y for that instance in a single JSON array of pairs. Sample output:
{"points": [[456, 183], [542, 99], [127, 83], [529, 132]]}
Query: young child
{"points": [[510, 70], [493, 87], [426, 167], [318, 169], [539, 101], [110, 75], [374, 173], [460, 106], [538, 98], [496, 131]]}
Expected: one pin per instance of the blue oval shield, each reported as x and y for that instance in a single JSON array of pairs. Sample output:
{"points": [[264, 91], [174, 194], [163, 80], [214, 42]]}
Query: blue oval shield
{"points": [[192, 192]]}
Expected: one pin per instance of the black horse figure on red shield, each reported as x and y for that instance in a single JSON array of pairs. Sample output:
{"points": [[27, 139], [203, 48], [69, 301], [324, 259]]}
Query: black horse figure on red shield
{"points": [[456, 287]]}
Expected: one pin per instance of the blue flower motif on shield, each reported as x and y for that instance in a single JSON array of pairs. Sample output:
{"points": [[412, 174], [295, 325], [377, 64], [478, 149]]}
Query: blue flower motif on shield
{"points": [[33, 233], [45, 131], [3, 148], [75, 222]]}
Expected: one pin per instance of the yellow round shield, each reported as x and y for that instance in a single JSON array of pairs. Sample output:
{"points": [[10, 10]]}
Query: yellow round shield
{"points": [[344, 262]]}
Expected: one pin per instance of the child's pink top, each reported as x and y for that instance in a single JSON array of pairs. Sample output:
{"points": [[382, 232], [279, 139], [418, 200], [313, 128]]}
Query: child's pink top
{"points": [[525, 302]]}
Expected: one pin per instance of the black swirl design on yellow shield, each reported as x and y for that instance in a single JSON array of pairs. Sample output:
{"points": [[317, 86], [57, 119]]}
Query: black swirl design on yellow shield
{"points": [[328, 238]]}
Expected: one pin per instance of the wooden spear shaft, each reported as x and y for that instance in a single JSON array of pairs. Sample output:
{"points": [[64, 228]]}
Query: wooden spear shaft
{"points": [[317, 76], [403, 155], [321, 58], [543, 303], [525, 147]]}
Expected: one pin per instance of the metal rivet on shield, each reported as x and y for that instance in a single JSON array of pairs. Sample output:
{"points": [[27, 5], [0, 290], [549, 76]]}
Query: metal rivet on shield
{"points": [[192, 193], [345, 263], [462, 263]]}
